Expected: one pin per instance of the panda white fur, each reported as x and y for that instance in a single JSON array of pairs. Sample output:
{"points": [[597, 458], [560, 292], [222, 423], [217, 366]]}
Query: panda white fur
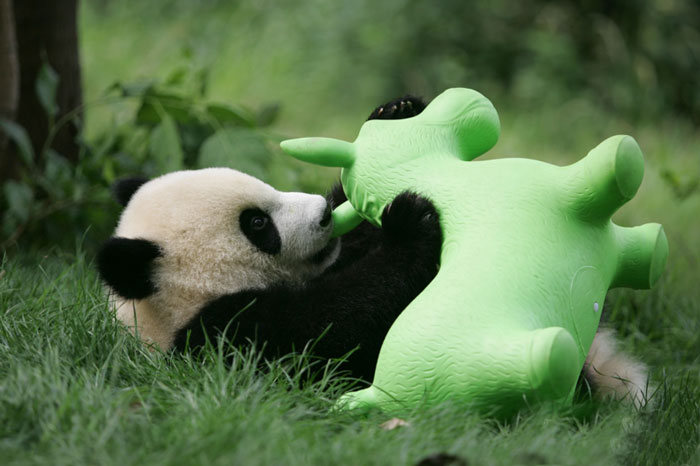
{"points": [[193, 249], [191, 236]]}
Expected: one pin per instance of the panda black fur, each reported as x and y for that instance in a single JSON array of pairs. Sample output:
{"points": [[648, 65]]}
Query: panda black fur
{"points": [[353, 295], [354, 302]]}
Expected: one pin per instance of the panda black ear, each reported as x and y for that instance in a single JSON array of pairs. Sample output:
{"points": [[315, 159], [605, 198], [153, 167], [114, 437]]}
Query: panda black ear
{"points": [[126, 265], [124, 188]]}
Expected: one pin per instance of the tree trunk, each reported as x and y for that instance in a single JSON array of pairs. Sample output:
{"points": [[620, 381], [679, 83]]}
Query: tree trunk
{"points": [[47, 30], [9, 86]]}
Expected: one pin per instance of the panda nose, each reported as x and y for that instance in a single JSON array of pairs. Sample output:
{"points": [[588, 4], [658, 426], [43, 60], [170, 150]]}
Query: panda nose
{"points": [[326, 219]]}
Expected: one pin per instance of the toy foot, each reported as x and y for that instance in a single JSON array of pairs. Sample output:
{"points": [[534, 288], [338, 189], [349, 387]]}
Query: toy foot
{"points": [[405, 107], [361, 400], [554, 364]]}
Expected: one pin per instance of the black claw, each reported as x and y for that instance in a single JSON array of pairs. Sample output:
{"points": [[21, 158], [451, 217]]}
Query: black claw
{"points": [[405, 107]]}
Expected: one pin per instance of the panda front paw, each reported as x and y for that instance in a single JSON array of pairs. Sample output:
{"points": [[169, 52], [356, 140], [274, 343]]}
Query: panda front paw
{"points": [[405, 107], [411, 217]]}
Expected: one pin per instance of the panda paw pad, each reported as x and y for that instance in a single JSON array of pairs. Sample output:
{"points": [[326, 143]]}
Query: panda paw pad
{"points": [[410, 216]]}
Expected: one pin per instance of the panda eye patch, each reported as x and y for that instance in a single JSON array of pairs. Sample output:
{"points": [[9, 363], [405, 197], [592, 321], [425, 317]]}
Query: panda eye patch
{"points": [[260, 230]]}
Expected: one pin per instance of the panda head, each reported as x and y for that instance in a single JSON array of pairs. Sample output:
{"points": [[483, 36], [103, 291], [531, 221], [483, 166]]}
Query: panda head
{"points": [[190, 236]]}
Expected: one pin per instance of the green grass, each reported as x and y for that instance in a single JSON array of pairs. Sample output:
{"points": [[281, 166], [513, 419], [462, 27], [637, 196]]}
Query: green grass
{"points": [[76, 389]]}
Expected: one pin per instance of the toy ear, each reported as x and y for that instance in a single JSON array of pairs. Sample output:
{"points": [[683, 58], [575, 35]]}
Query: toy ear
{"points": [[126, 265], [469, 115], [327, 152], [124, 188]]}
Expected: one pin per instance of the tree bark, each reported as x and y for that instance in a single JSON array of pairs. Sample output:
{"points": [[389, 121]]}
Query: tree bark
{"points": [[9, 86], [47, 30]]}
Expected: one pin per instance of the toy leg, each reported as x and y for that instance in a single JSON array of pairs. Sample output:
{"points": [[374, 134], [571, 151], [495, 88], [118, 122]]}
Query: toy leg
{"points": [[554, 363], [496, 375], [606, 178], [642, 253]]}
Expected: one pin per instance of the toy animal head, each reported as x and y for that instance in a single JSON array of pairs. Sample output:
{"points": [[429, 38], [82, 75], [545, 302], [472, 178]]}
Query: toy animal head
{"points": [[459, 123]]}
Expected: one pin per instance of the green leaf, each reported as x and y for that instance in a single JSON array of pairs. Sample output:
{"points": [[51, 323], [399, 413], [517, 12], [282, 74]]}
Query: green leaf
{"points": [[237, 148], [227, 115], [682, 190], [154, 104], [176, 77], [46, 87], [202, 81], [19, 136], [191, 138], [58, 174], [134, 89], [165, 147], [268, 114], [108, 173], [19, 199]]}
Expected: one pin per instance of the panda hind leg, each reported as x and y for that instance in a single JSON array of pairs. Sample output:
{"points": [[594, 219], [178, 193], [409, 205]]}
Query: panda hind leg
{"points": [[611, 373]]}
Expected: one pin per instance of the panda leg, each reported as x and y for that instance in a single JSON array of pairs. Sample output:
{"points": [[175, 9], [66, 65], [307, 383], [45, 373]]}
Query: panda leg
{"points": [[609, 372]]}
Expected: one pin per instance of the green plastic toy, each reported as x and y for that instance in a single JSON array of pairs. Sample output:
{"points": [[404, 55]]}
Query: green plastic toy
{"points": [[528, 255]]}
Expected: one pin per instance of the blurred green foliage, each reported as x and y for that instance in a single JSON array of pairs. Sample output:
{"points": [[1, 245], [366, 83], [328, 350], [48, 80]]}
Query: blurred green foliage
{"points": [[173, 84], [634, 58], [173, 126], [637, 58]]}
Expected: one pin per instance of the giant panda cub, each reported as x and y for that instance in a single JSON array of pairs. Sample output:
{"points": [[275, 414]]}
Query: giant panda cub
{"points": [[198, 253], [193, 249]]}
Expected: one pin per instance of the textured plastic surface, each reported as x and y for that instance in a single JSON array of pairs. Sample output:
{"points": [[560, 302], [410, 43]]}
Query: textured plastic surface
{"points": [[529, 253]]}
